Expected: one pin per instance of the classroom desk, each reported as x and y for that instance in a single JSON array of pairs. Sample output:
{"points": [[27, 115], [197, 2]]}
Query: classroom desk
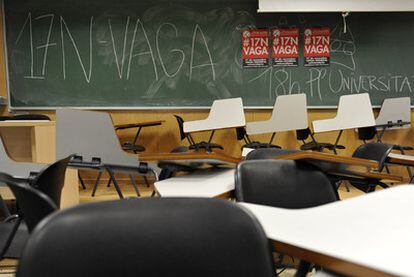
{"points": [[212, 182], [347, 167], [370, 235], [35, 141]]}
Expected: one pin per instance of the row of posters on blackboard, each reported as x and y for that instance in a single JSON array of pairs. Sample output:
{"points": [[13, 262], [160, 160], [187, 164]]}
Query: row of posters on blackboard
{"points": [[284, 49]]}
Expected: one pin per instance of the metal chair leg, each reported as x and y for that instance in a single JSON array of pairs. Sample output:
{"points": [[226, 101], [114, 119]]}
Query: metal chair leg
{"points": [[81, 180], [116, 185], [109, 183], [131, 177], [146, 181], [96, 183], [303, 269]]}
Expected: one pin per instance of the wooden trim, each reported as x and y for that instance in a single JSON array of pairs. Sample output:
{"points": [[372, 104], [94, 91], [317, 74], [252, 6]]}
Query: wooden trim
{"points": [[199, 155], [329, 158], [335, 264]]}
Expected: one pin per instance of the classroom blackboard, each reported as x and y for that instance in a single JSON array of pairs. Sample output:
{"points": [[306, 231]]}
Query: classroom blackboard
{"points": [[186, 53]]}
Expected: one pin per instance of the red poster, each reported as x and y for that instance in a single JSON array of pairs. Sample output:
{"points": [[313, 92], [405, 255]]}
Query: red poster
{"points": [[317, 46], [255, 48], [285, 49]]}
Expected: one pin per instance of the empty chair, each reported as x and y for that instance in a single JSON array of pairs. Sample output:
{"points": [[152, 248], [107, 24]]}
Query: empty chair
{"points": [[354, 111], [149, 237], [283, 184], [49, 182], [34, 205], [224, 113], [375, 151], [313, 145], [92, 138], [394, 111], [267, 153], [289, 113]]}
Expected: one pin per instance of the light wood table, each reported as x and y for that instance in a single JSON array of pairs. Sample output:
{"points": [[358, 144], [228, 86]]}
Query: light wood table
{"points": [[35, 141], [369, 235]]}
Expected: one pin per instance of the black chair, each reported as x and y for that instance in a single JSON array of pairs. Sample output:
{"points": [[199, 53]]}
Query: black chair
{"points": [[313, 145], [375, 151], [193, 145], [242, 135], [284, 184], [49, 182], [34, 205], [268, 153], [149, 237], [369, 133]]}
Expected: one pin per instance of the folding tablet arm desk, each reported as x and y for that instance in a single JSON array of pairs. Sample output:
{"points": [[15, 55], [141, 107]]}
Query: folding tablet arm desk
{"points": [[369, 245], [395, 113], [289, 113], [354, 111], [92, 138], [224, 114]]}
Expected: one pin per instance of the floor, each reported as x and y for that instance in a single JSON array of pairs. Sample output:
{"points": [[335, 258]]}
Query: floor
{"points": [[104, 193]]}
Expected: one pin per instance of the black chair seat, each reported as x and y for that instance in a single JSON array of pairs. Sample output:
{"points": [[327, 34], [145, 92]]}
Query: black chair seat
{"points": [[206, 146], [258, 145], [131, 147], [319, 146], [402, 147]]}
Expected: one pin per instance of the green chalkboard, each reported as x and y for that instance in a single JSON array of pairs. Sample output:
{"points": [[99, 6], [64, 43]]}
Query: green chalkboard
{"points": [[186, 53]]}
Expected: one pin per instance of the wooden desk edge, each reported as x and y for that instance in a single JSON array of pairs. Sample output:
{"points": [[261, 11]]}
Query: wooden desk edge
{"points": [[335, 264], [328, 158], [139, 124], [145, 157]]}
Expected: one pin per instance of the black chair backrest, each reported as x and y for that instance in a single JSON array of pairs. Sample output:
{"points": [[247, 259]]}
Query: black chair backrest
{"points": [[366, 133], [33, 204], [283, 184], [268, 153], [51, 180], [375, 151], [29, 117], [180, 122], [149, 237], [302, 134]]}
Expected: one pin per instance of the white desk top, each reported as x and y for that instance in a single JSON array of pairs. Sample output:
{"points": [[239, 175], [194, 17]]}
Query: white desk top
{"points": [[210, 182], [375, 230]]}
